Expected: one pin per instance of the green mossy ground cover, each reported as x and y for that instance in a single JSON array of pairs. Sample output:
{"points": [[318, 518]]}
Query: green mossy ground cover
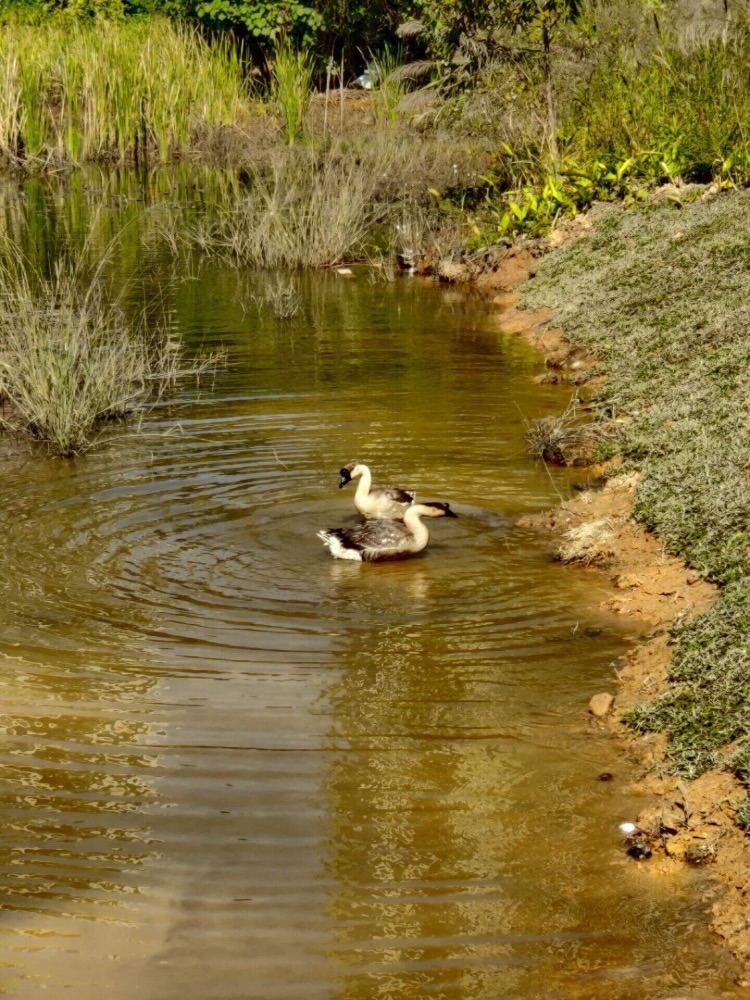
{"points": [[661, 294]]}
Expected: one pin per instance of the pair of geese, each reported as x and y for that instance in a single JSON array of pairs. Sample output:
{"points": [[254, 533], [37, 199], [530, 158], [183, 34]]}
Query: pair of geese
{"points": [[393, 528]]}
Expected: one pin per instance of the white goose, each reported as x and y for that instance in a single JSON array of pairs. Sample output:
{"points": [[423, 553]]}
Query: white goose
{"points": [[387, 502], [381, 539]]}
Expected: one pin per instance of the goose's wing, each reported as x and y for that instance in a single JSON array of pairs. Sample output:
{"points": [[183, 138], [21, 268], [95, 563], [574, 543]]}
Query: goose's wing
{"points": [[377, 535], [395, 494]]}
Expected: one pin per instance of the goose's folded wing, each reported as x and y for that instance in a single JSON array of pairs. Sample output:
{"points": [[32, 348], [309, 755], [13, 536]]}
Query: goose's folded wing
{"points": [[379, 534], [397, 495]]}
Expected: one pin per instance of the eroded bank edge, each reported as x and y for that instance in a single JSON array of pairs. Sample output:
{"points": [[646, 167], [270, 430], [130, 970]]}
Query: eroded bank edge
{"points": [[691, 821]]}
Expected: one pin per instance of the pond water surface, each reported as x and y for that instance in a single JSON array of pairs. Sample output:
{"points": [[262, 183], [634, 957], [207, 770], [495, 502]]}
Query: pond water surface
{"points": [[234, 768]]}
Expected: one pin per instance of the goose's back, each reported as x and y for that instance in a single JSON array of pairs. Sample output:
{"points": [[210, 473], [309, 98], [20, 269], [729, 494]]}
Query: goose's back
{"points": [[385, 502]]}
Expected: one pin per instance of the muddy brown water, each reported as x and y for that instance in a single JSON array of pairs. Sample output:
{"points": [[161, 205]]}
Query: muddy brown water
{"points": [[234, 768]]}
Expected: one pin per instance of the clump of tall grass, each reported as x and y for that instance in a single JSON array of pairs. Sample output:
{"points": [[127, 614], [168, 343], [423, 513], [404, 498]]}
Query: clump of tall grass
{"points": [[76, 91], [691, 107], [291, 86], [388, 84], [302, 213], [568, 438], [70, 357]]}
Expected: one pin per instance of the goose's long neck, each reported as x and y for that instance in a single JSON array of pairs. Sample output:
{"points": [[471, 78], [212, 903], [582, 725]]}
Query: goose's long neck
{"points": [[414, 524], [364, 484]]}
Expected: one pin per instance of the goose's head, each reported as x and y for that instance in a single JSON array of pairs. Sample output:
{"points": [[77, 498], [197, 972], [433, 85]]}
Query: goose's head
{"points": [[349, 472], [434, 508]]}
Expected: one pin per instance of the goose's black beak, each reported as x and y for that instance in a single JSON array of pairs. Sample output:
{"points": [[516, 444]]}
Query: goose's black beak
{"points": [[345, 478], [449, 513]]}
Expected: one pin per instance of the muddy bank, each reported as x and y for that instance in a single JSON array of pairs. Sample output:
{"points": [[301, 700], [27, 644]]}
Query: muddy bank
{"points": [[690, 822]]}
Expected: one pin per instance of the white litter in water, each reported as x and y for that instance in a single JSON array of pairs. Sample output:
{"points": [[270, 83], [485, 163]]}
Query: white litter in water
{"points": [[628, 827]]}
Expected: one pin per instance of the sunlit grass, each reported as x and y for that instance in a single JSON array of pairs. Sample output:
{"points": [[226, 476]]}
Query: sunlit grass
{"points": [[70, 355], [291, 87], [303, 212], [671, 335], [75, 91]]}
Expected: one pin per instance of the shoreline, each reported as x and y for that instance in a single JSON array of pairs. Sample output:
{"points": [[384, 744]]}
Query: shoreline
{"points": [[692, 821]]}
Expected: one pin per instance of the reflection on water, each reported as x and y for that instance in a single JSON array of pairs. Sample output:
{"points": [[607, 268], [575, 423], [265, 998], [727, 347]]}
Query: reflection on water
{"points": [[234, 768]]}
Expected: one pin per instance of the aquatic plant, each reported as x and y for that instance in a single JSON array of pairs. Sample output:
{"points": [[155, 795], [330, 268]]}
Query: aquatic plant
{"points": [[70, 355], [567, 438], [301, 213]]}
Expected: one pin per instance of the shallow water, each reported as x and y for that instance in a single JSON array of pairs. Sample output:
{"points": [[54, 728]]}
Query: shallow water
{"points": [[234, 768]]}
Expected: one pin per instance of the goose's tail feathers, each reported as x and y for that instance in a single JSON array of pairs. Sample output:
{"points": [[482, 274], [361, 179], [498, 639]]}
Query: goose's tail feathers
{"points": [[333, 539]]}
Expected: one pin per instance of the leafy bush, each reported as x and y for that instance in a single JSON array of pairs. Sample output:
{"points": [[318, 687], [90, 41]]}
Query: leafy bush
{"points": [[264, 20]]}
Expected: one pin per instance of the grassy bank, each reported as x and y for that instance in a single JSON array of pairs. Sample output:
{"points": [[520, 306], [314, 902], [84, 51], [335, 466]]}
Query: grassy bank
{"points": [[662, 296]]}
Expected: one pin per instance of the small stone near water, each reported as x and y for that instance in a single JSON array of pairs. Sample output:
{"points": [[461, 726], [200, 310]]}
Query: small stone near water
{"points": [[605, 776], [670, 821], [628, 828], [699, 854], [452, 271], [639, 851], [601, 704]]}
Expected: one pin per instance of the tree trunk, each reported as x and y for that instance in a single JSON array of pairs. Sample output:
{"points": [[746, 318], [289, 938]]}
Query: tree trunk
{"points": [[550, 92]]}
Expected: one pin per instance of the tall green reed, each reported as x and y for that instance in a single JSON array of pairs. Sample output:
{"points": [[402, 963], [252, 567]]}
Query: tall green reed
{"points": [[77, 91], [291, 87], [389, 84]]}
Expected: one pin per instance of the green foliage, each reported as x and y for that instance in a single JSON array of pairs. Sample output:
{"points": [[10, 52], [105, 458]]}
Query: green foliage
{"points": [[447, 21], [74, 90], [23, 11], [110, 10], [389, 86], [690, 106], [291, 85], [264, 20]]}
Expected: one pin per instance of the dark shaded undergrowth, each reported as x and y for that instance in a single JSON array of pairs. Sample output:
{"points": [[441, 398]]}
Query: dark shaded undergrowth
{"points": [[662, 295]]}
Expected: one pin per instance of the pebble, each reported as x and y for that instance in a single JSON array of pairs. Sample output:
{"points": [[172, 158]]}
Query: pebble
{"points": [[601, 704], [699, 854], [639, 851], [605, 776]]}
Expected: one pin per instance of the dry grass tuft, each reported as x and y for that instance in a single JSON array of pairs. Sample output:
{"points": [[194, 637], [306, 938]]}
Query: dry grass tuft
{"points": [[70, 357], [300, 213], [588, 544], [570, 438]]}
